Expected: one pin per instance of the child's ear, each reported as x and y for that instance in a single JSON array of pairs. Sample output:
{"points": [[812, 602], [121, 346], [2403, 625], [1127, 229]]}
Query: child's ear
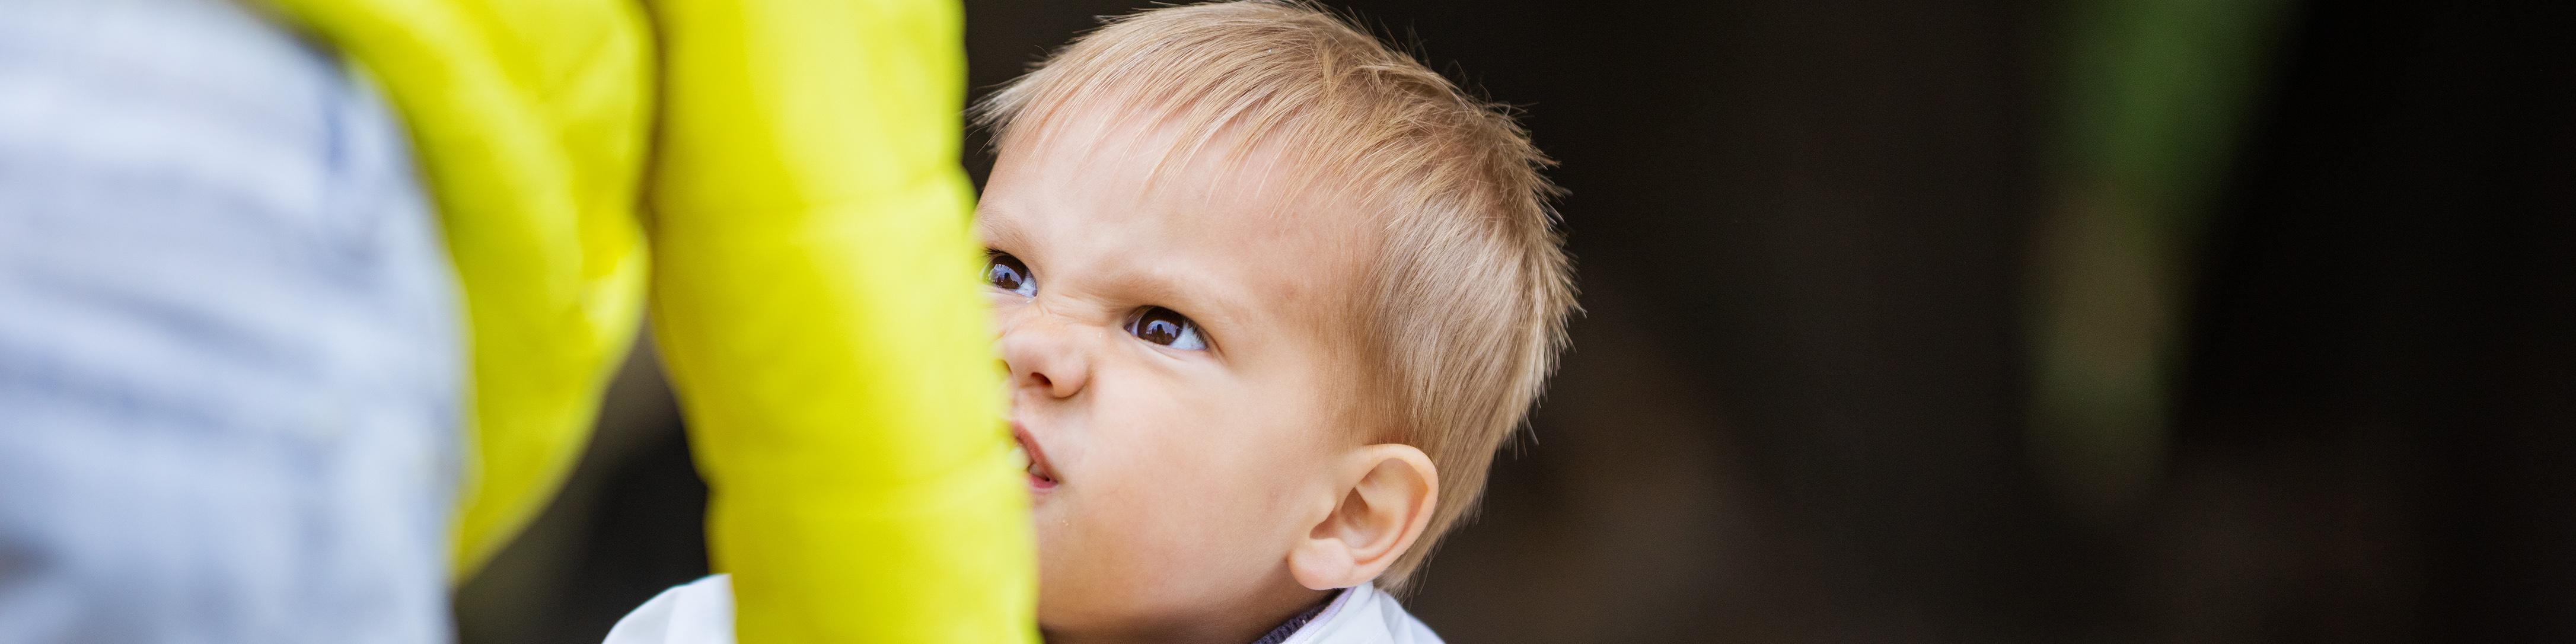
{"points": [[1387, 493]]}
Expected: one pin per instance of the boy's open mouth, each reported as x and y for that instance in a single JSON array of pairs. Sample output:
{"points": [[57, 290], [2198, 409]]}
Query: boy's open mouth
{"points": [[1040, 478]]}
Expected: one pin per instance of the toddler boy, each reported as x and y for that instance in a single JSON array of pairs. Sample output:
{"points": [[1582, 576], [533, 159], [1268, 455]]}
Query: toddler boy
{"points": [[1271, 295]]}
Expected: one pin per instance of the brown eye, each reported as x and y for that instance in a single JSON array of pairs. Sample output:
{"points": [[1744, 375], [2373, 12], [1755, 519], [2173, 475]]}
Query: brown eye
{"points": [[1007, 273], [1168, 328]]}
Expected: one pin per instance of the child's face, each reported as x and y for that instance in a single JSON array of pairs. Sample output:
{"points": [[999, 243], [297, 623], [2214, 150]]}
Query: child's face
{"points": [[1173, 367]]}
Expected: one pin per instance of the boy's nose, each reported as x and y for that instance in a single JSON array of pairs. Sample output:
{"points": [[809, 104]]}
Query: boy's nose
{"points": [[1044, 355]]}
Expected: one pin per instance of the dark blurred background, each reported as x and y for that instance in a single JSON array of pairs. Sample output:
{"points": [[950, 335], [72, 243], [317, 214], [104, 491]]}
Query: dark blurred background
{"points": [[1962, 321]]}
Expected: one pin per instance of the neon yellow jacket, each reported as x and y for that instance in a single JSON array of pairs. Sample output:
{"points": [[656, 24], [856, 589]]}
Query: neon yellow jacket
{"points": [[810, 271]]}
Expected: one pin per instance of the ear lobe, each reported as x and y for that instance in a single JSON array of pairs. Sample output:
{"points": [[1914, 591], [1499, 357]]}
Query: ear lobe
{"points": [[1321, 563], [1388, 492]]}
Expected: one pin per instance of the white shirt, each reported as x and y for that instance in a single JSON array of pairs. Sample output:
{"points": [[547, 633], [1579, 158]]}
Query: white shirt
{"points": [[702, 613]]}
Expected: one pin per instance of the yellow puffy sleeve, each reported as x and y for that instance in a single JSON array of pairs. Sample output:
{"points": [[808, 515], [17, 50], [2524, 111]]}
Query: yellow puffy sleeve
{"points": [[815, 300], [528, 121], [812, 280]]}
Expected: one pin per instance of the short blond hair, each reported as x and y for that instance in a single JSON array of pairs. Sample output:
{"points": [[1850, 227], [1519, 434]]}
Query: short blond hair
{"points": [[1471, 289]]}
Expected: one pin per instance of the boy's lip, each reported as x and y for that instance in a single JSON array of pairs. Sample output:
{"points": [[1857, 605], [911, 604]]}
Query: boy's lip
{"points": [[1042, 477]]}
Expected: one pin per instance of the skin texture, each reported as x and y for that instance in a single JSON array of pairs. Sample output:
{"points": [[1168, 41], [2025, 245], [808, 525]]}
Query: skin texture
{"points": [[1190, 494]]}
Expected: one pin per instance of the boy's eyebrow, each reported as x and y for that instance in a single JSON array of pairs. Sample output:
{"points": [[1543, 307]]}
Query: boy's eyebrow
{"points": [[1218, 308], [996, 231]]}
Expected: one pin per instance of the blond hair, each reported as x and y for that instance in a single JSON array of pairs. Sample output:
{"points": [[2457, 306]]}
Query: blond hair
{"points": [[1467, 311]]}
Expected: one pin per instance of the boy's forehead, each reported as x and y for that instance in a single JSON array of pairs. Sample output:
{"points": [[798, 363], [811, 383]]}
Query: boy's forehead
{"points": [[1225, 214], [1146, 148], [1216, 178]]}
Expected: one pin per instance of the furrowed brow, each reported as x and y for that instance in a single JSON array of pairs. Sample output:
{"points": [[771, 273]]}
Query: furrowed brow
{"points": [[1217, 308], [997, 226]]}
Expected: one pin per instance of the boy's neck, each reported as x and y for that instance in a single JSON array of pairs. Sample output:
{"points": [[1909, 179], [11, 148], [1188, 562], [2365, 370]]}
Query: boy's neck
{"points": [[1274, 613], [1281, 632]]}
